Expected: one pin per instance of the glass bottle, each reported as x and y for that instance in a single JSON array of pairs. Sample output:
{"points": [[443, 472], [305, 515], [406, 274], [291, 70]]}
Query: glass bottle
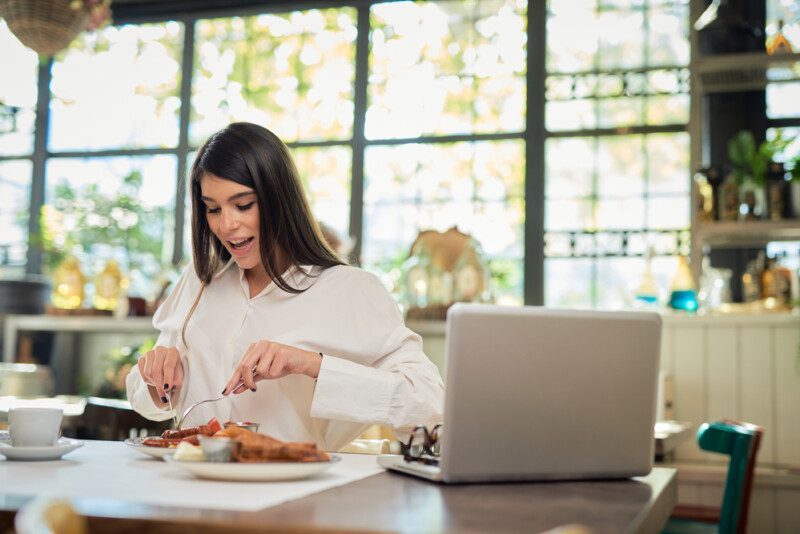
{"points": [[68, 285], [778, 43], [714, 284], [728, 203], [708, 181], [794, 191], [776, 282], [751, 279], [683, 295], [645, 290], [776, 192]]}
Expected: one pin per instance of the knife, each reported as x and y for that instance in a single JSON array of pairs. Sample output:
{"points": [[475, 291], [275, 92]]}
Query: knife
{"points": [[171, 409]]}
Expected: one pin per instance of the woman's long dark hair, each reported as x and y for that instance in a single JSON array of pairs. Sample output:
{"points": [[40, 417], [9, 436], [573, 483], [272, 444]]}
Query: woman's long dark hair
{"points": [[253, 156]]}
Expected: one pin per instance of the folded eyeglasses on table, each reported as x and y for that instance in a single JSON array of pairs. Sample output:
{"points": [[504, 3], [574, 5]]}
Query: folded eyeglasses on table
{"points": [[423, 445]]}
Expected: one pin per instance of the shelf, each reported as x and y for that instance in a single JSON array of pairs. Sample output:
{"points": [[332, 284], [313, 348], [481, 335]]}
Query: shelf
{"points": [[752, 71], [749, 233], [79, 323]]}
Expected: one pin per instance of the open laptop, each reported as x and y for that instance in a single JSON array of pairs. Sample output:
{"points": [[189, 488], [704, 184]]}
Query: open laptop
{"points": [[541, 394]]}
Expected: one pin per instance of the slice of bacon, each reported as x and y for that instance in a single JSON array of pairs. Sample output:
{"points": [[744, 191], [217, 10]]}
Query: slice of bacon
{"points": [[209, 429]]}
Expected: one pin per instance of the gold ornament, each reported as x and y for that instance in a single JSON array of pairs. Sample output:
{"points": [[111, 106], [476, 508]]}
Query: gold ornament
{"points": [[68, 282]]}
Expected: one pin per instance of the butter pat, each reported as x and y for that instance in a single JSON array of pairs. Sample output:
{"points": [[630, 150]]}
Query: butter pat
{"points": [[186, 452]]}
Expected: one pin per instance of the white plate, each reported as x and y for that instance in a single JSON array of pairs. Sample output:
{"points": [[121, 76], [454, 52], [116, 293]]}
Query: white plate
{"points": [[253, 472], [62, 447], [155, 452]]}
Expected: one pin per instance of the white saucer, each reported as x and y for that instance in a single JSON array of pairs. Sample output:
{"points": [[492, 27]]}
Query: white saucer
{"points": [[55, 452]]}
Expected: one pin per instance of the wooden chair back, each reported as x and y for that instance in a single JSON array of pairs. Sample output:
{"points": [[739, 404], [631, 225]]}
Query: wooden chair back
{"points": [[737, 442], [740, 441], [749, 473]]}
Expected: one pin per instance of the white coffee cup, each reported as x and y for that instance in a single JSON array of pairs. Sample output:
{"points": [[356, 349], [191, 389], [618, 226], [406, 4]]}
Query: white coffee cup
{"points": [[34, 427]]}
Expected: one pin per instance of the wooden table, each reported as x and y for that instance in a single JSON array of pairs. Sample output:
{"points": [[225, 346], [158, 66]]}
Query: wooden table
{"points": [[392, 502]]}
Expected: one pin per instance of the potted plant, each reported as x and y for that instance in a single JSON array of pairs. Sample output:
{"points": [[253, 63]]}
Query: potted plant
{"points": [[749, 165], [117, 364]]}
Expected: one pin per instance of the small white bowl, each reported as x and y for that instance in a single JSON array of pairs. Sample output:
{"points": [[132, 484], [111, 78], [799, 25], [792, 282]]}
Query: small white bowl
{"points": [[217, 449]]}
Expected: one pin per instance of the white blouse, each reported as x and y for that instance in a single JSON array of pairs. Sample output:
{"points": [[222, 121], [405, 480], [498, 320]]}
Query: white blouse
{"points": [[373, 370]]}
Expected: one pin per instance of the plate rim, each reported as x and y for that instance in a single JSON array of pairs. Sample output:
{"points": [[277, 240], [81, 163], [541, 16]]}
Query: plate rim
{"points": [[153, 452], [240, 468], [335, 457]]}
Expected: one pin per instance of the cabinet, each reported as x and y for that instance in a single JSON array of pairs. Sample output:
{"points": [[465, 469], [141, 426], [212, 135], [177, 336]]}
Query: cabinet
{"points": [[745, 74]]}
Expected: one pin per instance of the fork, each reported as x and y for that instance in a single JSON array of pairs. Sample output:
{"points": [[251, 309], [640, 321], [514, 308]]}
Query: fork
{"points": [[198, 403], [192, 407]]}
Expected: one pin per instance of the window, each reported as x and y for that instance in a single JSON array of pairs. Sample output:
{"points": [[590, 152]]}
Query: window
{"points": [[465, 65], [464, 62], [17, 115], [117, 88], [111, 179], [291, 72], [325, 172], [418, 122], [15, 193], [617, 150], [120, 208]]}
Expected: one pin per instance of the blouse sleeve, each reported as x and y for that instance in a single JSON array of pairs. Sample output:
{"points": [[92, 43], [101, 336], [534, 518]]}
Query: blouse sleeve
{"points": [[394, 383], [168, 320]]}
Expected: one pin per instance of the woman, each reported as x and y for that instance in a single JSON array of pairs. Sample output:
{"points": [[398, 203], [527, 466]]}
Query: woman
{"points": [[311, 349]]}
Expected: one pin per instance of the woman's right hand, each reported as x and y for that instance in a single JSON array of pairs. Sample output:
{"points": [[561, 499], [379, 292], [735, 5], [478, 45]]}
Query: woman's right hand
{"points": [[162, 370]]}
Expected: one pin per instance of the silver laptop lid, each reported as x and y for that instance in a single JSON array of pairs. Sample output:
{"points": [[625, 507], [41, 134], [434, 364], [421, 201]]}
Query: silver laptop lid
{"points": [[539, 394]]}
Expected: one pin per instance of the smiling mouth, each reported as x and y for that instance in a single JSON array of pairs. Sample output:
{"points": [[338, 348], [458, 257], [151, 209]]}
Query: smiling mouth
{"points": [[241, 243]]}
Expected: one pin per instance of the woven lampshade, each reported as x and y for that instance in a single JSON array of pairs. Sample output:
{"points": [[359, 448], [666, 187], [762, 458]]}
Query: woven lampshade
{"points": [[45, 26]]}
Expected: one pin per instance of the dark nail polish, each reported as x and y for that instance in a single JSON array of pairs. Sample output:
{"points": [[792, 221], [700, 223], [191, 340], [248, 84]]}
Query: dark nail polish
{"points": [[224, 390], [166, 386], [252, 389], [163, 399]]}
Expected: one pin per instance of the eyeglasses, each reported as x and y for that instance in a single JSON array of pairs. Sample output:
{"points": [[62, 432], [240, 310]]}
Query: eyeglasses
{"points": [[423, 445]]}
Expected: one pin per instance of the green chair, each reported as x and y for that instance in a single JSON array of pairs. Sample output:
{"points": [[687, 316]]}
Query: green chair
{"points": [[740, 441]]}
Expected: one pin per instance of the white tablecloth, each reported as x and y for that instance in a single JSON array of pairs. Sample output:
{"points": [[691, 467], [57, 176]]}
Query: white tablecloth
{"points": [[112, 470]]}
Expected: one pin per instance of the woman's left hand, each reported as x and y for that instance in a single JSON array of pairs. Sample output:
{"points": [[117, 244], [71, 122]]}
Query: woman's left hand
{"points": [[267, 360]]}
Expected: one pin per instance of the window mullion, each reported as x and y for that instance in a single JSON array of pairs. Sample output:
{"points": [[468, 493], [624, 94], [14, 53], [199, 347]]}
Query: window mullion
{"points": [[34, 260], [187, 71], [359, 138], [533, 268]]}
